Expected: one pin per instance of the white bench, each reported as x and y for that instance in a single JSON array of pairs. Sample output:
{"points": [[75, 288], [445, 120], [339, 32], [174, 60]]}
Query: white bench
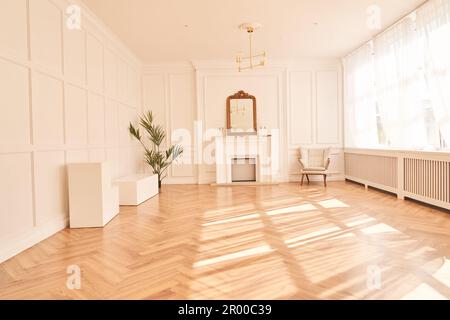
{"points": [[135, 189], [93, 200]]}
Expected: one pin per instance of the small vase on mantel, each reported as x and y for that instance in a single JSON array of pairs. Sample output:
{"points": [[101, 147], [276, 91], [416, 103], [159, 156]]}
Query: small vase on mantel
{"points": [[263, 132]]}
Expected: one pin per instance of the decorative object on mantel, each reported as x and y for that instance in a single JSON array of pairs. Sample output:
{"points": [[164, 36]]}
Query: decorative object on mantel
{"points": [[248, 62], [263, 132], [159, 161], [241, 114]]}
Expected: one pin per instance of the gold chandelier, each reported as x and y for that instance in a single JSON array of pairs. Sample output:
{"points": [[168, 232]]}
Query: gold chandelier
{"points": [[252, 60]]}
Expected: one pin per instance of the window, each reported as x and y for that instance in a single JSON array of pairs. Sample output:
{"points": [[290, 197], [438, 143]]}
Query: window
{"points": [[380, 129], [397, 85]]}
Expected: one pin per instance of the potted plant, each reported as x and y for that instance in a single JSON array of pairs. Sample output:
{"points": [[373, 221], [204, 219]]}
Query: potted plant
{"points": [[158, 160]]}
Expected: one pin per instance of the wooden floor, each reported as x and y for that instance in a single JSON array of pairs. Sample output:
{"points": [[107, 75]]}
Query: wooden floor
{"points": [[265, 242]]}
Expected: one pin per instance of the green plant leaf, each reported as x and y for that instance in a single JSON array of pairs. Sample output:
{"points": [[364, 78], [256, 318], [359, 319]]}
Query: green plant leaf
{"points": [[147, 121], [159, 161], [157, 135], [134, 132]]}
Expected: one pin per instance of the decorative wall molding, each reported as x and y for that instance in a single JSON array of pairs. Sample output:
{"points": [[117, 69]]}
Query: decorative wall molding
{"points": [[60, 101], [294, 116], [284, 108], [169, 92], [230, 64]]}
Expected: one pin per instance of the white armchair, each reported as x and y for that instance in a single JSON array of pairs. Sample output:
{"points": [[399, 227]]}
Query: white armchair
{"points": [[314, 162]]}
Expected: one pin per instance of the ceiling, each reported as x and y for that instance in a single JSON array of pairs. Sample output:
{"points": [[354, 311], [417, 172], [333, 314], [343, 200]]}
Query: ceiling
{"points": [[182, 30]]}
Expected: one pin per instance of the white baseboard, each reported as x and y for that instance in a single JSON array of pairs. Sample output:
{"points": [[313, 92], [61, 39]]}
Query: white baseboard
{"points": [[180, 180], [432, 202], [15, 245], [373, 185], [277, 180], [401, 194]]}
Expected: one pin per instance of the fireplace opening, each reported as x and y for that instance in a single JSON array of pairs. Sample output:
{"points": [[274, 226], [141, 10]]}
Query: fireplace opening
{"points": [[243, 170]]}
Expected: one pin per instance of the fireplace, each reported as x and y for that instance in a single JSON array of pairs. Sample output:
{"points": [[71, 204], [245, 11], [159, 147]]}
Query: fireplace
{"points": [[244, 159]]}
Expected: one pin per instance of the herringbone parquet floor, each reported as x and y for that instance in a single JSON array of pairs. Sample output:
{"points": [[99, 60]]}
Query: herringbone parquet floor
{"points": [[271, 242]]}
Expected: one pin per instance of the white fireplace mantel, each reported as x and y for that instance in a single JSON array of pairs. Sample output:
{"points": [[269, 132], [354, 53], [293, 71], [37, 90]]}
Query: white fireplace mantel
{"points": [[257, 148]]}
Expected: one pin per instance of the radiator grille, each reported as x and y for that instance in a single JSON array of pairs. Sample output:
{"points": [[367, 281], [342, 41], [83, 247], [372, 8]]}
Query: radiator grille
{"points": [[427, 178], [380, 170]]}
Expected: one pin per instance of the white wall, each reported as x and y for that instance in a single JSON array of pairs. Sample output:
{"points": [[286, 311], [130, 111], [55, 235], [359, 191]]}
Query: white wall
{"points": [[302, 99], [67, 96]]}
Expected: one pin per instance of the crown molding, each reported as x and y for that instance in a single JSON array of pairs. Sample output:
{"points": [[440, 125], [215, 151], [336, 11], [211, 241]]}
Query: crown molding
{"points": [[171, 67], [271, 64]]}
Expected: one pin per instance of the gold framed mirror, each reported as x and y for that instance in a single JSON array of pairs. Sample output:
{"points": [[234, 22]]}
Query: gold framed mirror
{"points": [[241, 113]]}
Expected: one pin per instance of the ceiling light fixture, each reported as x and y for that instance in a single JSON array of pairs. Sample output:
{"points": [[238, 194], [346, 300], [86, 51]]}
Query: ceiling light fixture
{"points": [[248, 62]]}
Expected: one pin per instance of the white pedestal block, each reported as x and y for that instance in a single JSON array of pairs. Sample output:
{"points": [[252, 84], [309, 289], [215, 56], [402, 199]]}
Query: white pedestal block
{"points": [[135, 189], [93, 200]]}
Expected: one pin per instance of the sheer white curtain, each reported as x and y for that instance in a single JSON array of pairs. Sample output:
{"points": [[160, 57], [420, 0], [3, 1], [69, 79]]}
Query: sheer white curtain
{"points": [[400, 96], [360, 113], [399, 81], [433, 25]]}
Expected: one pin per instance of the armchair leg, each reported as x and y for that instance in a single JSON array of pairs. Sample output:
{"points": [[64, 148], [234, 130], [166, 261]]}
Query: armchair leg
{"points": [[307, 177], [303, 177], [325, 180]]}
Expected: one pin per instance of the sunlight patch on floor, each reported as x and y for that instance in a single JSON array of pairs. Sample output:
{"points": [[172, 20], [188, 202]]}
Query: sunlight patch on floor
{"points": [[236, 219], [333, 204], [443, 274], [294, 209], [230, 210], [358, 280], [424, 292], [312, 236], [267, 279], [359, 222], [234, 256], [344, 236], [281, 202], [379, 229], [419, 252]]}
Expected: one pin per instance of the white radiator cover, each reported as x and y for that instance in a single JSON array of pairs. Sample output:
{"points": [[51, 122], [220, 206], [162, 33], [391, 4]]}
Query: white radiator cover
{"points": [[423, 176], [380, 170], [427, 178]]}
